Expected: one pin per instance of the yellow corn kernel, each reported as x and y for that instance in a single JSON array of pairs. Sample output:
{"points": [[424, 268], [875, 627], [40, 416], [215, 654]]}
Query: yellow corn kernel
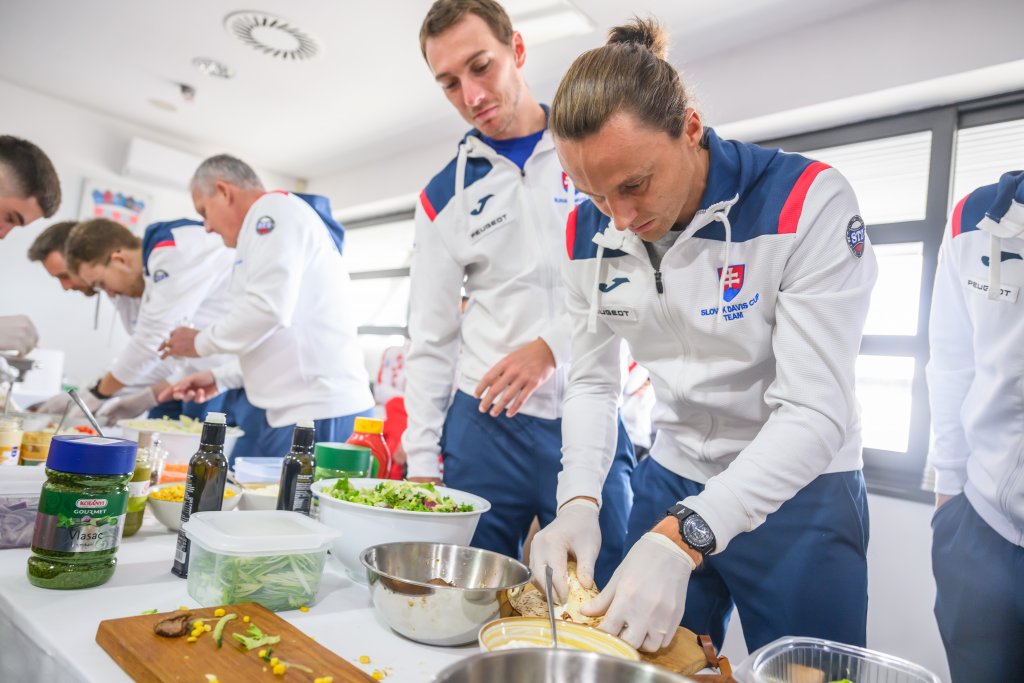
{"points": [[245, 620], [262, 654], [274, 661], [377, 675], [219, 612], [182, 608], [364, 659], [191, 639], [279, 669], [303, 609], [207, 628]]}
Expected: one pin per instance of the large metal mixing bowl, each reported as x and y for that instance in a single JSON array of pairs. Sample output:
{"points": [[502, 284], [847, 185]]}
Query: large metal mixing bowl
{"points": [[544, 665], [436, 593]]}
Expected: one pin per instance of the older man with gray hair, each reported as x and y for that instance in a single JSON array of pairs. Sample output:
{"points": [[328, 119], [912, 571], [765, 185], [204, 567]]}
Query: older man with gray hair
{"points": [[291, 323]]}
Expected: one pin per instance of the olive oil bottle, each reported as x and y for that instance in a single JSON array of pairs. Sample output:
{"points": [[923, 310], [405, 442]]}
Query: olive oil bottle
{"points": [[204, 484], [297, 470]]}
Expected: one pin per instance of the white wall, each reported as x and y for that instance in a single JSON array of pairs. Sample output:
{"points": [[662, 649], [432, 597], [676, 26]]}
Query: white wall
{"points": [[901, 589], [82, 144]]}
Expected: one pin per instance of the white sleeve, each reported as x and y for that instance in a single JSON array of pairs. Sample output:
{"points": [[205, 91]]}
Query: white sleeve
{"points": [[819, 318], [434, 320], [228, 376], [590, 425], [273, 263], [183, 286], [950, 372]]}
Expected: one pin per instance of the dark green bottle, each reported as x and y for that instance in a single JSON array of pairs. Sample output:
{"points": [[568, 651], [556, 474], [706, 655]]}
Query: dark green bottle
{"points": [[297, 470], [204, 484]]}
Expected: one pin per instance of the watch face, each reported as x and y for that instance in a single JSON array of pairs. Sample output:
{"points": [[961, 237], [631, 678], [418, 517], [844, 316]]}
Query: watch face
{"points": [[696, 532]]}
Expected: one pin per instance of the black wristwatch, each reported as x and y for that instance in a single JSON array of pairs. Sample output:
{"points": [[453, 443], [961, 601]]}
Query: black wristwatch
{"points": [[694, 531], [95, 391]]}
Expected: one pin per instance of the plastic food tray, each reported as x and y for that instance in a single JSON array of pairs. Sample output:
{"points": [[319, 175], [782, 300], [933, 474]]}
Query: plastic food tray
{"points": [[812, 660]]}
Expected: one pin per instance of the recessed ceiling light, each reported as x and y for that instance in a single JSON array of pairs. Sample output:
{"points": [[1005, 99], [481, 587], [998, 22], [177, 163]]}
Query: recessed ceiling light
{"points": [[162, 104], [272, 35], [542, 21], [211, 67]]}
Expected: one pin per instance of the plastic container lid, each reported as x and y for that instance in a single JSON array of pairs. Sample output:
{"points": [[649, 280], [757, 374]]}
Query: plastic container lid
{"points": [[369, 425], [21, 481], [258, 532], [348, 457], [257, 470], [91, 455]]}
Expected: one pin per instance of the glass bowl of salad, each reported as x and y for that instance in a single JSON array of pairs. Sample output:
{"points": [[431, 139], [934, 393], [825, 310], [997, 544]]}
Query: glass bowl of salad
{"points": [[374, 511]]}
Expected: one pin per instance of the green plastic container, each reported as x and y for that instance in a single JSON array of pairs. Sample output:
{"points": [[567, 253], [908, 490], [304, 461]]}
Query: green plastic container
{"points": [[337, 460]]}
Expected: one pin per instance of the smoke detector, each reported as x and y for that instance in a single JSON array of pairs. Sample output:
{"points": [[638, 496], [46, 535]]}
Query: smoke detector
{"points": [[272, 35]]}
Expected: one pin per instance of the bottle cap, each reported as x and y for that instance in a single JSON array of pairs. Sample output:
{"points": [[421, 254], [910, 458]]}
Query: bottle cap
{"points": [[307, 424], [217, 418], [80, 454], [303, 436], [347, 457], [369, 425]]}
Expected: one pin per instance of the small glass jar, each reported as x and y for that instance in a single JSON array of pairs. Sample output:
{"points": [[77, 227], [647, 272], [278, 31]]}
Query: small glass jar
{"points": [[138, 487], [81, 511], [10, 439], [35, 447]]}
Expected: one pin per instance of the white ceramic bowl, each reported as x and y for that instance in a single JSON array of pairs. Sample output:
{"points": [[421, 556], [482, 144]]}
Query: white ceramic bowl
{"points": [[362, 526], [259, 497], [168, 512], [181, 446]]}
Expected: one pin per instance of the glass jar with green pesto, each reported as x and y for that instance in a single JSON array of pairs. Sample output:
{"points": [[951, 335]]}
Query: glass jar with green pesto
{"points": [[81, 511]]}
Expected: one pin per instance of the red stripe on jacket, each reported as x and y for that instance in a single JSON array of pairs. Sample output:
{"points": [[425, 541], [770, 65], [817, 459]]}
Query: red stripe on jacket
{"points": [[427, 206], [789, 217], [570, 232], [958, 214]]}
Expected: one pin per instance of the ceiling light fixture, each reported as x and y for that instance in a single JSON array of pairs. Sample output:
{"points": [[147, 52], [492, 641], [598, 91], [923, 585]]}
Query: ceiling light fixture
{"points": [[543, 21], [211, 67], [272, 35]]}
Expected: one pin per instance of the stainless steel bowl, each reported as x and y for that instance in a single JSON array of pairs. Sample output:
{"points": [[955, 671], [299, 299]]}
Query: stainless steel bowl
{"points": [[543, 665], [405, 585]]}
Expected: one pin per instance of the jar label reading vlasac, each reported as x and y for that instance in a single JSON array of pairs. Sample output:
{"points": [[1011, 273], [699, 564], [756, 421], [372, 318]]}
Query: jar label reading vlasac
{"points": [[75, 523]]}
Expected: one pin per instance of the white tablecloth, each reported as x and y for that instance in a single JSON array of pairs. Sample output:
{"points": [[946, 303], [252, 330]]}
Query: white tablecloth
{"points": [[48, 635]]}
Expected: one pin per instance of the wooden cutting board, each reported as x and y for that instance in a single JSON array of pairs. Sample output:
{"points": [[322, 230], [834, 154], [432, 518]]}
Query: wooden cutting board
{"points": [[145, 656]]}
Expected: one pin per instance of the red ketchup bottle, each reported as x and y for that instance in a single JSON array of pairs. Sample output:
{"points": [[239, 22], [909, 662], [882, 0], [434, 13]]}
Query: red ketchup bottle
{"points": [[369, 432]]}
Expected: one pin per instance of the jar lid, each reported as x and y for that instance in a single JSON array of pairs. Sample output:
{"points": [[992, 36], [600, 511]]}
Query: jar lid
{"points": [[343, 456], [91, 455], [369, 425]]}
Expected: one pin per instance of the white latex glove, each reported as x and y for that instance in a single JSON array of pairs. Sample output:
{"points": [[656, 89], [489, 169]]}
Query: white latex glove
{"points": [[18, 334], [7, 373], [643, 603], [575, 531], [55, 405], [126, 407]]}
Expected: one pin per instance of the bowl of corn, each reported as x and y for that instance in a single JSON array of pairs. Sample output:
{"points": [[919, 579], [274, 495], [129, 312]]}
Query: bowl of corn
{"points": [[166, 501]]}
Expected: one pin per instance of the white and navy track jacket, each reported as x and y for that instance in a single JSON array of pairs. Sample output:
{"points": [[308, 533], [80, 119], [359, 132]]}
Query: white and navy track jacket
{"points": [[186, 272], [976, 371], [750, 331], [483, 224], [292, 322]]}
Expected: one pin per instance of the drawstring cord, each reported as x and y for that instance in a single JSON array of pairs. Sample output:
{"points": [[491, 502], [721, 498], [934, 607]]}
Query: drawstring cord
{"points": [[722, 217], [594, 303]]}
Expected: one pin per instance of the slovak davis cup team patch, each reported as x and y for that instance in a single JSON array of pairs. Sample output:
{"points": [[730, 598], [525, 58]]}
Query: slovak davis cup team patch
{"points": [[264, 225], [856, 236]]}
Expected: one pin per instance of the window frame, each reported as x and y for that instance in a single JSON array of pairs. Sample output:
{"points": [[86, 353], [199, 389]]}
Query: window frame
{"points": [[385, 273], [901, 475]]}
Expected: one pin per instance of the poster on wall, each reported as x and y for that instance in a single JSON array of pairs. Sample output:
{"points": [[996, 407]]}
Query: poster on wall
{"points": [[111, 199]]}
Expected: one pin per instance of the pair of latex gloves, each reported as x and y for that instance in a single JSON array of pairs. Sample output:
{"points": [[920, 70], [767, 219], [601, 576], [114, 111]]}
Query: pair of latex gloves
{"points": [[644, 600]]}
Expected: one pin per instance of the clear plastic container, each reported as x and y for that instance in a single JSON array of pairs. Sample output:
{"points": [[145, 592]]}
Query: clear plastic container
{"points": [[813, 660], [257, 470], [19, 501], [285, 550]]}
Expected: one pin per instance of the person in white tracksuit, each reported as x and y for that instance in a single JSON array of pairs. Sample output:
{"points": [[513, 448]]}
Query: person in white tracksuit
{"points": [[740, 277], [976, 388], [492, 222], [290, 321]]}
